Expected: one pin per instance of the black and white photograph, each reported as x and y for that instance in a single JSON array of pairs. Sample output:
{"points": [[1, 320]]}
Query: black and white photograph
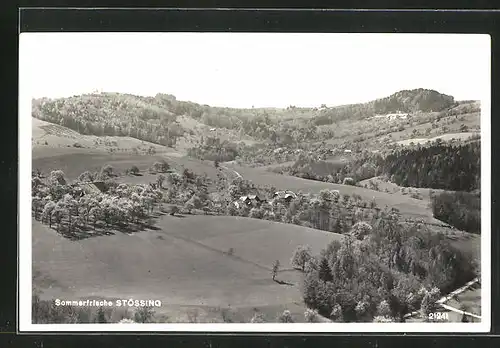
{"points": [[260, 182]]}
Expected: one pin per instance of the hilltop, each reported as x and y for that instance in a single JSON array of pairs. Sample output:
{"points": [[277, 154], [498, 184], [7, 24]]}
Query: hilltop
{"points": [[164, 120]]}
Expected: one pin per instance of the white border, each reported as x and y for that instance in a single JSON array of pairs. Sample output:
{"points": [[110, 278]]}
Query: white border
{"points": [[25, 257]]}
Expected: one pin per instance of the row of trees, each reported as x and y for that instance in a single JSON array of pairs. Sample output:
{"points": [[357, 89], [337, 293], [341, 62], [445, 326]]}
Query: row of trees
{"points": [[384, 271], [54, 201]]}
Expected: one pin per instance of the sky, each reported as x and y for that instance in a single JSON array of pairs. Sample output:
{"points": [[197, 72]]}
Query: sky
{"points": [[255, 69]]}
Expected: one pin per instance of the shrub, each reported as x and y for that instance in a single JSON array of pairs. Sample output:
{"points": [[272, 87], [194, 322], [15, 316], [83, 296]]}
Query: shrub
{"points": [[134, 170], [144, 315], [311, 315], [258, 318], [349, 181], [107, 170], [174, 210], [285, 317]]}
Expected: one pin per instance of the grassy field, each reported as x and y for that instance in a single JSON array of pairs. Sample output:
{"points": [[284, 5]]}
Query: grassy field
{"points": [[48, 136], [444, 137], [184, 264], [392, 188], [413, 208]]}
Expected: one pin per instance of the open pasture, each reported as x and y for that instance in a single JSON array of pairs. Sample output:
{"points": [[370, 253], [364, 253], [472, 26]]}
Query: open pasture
{"points": [[182, 263]]}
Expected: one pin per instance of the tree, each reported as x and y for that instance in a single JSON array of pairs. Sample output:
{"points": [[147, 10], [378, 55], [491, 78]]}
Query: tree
{"points": [[58, 214], [86, 177], [324, 270], [160, 180], [107, 171], [384, 309], [47, 212], [101, 316], [311, 315], [174, 210], [464, 309], [37, 204], [193, 203], [337, 313], [429, 301], [361, 229], [348, 181], [301, 257], [257, 318], [285, 317], [144, 315], [134, 170], [275, 269], [57, 177]]}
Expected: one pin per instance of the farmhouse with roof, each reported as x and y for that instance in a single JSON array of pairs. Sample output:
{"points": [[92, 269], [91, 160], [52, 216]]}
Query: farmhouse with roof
{"points": [[286, 196], [88, 188], [249, 200]]}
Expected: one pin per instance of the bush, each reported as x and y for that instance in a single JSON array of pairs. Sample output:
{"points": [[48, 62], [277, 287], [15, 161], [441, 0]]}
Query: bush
{"points": [[134, 170], [311, 315], [161, 166], [285, 317], [174, 210], [258, 318], [107, 170], [144, 315]]}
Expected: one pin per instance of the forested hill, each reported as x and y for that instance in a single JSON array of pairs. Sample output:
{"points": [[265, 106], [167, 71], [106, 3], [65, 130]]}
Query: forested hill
{"points": [[154, 119], [406, 101]]}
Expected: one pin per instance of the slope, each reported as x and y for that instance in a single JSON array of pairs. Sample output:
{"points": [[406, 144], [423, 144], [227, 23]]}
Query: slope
{"points": [[184, 264]]}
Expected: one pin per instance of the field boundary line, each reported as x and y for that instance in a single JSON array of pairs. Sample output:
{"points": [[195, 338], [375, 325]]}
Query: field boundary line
{"points": [[458, 291], [453, 309]]}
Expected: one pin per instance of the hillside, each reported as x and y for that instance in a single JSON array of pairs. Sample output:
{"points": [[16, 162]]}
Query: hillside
{"points": [[407, 101], [184, 264], [165, 120]]}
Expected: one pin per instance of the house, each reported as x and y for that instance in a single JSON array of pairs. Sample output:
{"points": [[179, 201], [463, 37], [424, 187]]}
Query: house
{"points": [[249, 200], [347, 151], [92, 188], [284, 195], [212, 129]]}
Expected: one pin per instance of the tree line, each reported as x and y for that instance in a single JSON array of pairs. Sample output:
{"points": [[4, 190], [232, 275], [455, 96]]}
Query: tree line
{"points": [[460, 209], [439, 166], [383, 271]]}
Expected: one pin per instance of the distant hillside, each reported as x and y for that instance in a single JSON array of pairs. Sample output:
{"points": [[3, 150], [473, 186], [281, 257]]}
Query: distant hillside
{"points": [[407, 101], [162, 119]]}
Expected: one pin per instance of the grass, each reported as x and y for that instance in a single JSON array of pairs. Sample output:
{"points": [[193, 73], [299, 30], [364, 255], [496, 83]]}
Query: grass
{"points": [[47, 137], [410, 207], [444, 137], [188, 266], [471, 299]]}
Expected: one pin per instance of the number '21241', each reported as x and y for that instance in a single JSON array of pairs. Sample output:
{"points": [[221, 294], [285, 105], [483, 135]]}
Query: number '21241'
{"points": [[438, 316]]}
